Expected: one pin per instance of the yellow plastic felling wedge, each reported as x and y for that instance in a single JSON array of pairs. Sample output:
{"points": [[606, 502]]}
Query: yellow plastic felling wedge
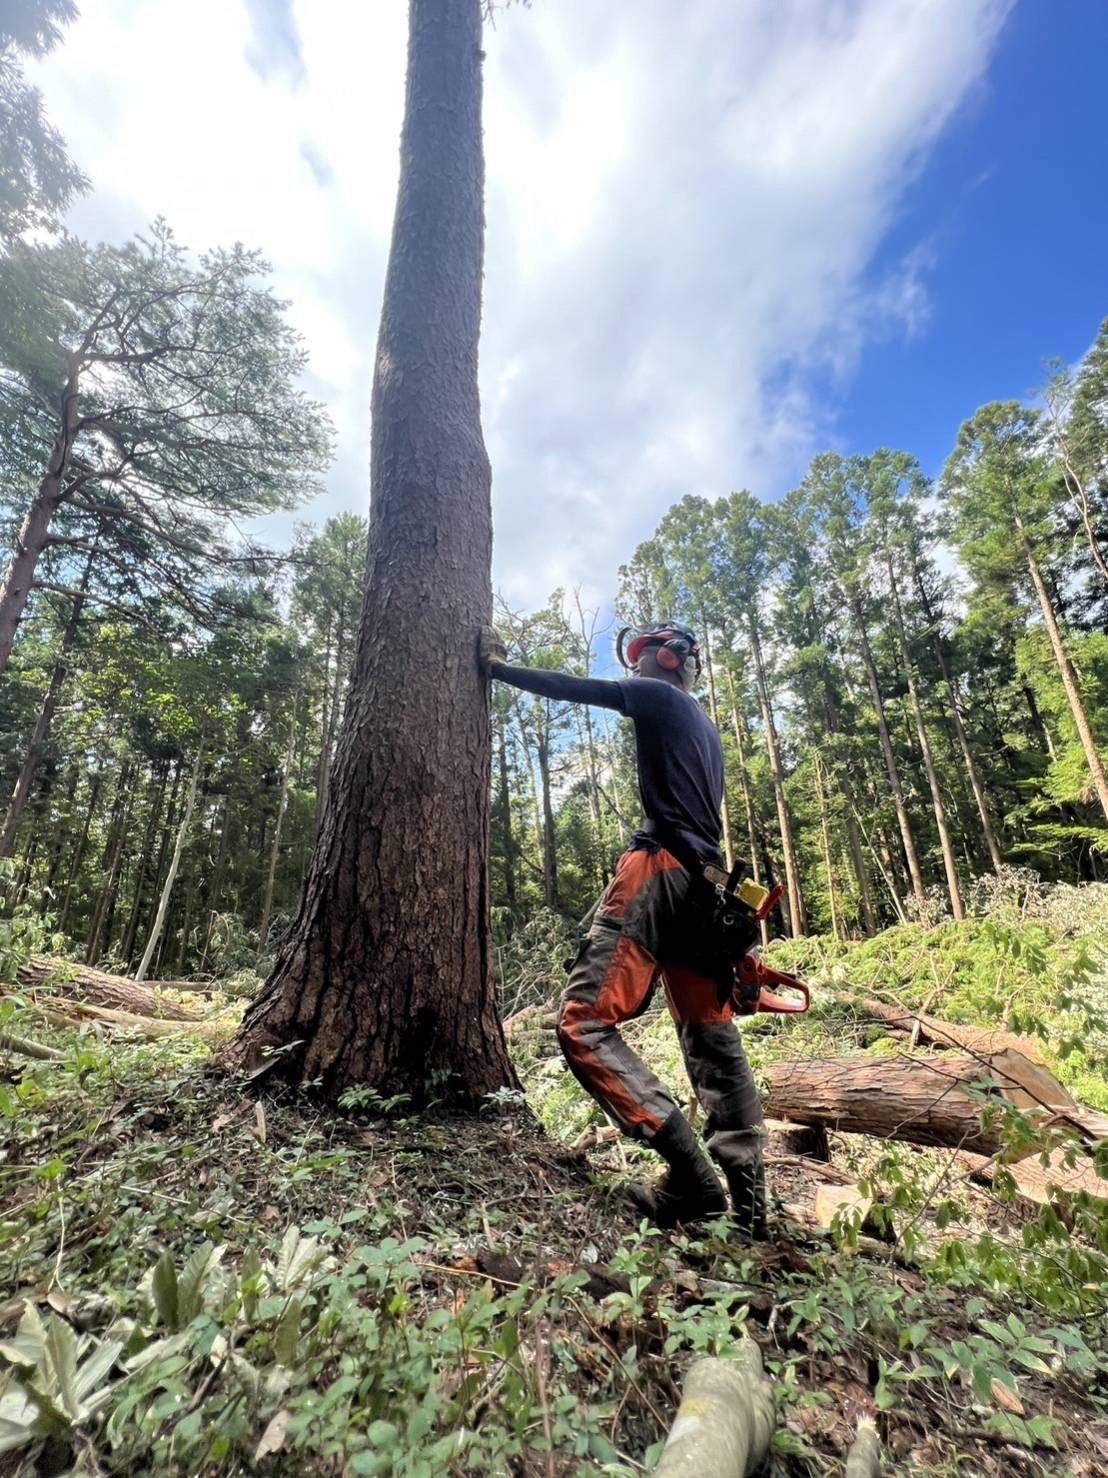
{"points": [[753, 894]]}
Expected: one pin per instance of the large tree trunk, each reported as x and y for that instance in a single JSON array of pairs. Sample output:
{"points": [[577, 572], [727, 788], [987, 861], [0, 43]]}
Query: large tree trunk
{"points": [[920, 1100], [34, 534], [937, 803], [797, 922], [1067, 673], [174, 864], [385, 977]]}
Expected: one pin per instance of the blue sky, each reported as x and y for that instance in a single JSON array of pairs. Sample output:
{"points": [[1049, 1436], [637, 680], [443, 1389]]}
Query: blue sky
{"points": [[1015, 204], [721, 238]]}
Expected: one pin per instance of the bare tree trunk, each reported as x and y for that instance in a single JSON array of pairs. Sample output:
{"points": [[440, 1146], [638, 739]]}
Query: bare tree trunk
{"points": [[549, 849], [889, 757], [45, 719], [275, 848], [821, 798], [797, 921], [937, 804], [79, 853], [126, 949], [113, 857], [385, 977], [987, 828], [1066, 671], [505, 800], [174, 863], [713, 709], [34, 535], [748, 801], [853, 836]]}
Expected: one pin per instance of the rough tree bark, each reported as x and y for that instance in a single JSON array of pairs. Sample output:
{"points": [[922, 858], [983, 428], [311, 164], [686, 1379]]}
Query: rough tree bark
{"points": [[921, 1100], [385, 977]]}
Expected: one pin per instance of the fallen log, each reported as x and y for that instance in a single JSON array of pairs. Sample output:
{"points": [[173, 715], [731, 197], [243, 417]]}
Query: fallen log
{"points": [[725, 1421], [864, 1458], [923, 1100], [72, 1014], [985, 1040], [97, 988]]}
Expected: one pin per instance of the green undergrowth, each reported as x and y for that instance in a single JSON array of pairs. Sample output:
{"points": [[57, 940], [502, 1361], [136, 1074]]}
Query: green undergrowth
{"points": [[201, 1282], [205, 1283]]}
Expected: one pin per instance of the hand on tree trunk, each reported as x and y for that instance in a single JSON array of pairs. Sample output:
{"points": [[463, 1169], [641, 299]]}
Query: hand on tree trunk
{"points": [[491, 651]]}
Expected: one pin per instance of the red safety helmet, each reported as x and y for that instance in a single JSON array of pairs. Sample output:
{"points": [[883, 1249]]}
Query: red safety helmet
{"points": [[674, 643]]}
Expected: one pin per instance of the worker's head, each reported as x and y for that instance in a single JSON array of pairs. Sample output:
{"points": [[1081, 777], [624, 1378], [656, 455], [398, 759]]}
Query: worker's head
{"points": [[667, 652]]}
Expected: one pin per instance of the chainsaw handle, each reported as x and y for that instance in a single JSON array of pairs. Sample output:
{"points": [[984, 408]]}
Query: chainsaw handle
{"points": [[755, 973]]}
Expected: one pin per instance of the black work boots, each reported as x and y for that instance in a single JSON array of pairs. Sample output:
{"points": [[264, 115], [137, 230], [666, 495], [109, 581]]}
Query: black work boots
{"points": [[690, 1191]]}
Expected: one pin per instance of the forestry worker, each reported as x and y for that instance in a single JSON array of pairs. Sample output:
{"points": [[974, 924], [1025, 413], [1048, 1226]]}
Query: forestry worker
{"points": [[649, 927]]}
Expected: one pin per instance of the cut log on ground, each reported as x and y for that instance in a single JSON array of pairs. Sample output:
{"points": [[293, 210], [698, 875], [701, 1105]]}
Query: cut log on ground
{"points": [[80, 983], [73, 1014], [724, 1424], [923, 1100], [985, 1040], [864, 1458]]}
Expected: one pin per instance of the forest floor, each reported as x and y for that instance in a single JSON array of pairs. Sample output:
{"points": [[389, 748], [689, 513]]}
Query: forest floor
{"points": [[222, 1284]]}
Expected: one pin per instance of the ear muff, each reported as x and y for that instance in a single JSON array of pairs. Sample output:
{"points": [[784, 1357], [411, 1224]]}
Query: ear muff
{"points": [[673, 655]]}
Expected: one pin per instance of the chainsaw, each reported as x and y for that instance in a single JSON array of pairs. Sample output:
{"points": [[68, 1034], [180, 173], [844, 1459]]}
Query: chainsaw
{"points": [[739, 904]]}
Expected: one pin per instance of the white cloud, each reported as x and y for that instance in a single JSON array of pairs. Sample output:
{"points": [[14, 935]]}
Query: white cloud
{"points": [[683, 203]]}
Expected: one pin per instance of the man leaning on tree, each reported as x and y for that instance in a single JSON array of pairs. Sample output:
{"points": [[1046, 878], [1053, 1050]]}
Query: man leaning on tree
{"points": [[650, 927]]}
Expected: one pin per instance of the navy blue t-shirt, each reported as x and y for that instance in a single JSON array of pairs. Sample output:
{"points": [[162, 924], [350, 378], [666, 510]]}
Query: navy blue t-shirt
{"points": [[677, 752]]}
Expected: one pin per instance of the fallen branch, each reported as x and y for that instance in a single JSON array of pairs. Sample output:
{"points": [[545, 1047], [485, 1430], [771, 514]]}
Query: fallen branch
{"points": [[900, 1020], [26, 1048], [725, 1421]]}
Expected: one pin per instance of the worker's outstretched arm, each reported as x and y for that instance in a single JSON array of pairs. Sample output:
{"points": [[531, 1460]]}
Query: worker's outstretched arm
{"points": [[560, 686]]}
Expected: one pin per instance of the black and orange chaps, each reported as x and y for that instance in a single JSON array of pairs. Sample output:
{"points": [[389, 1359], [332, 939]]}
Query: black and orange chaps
{"points": [[638, 938]]}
